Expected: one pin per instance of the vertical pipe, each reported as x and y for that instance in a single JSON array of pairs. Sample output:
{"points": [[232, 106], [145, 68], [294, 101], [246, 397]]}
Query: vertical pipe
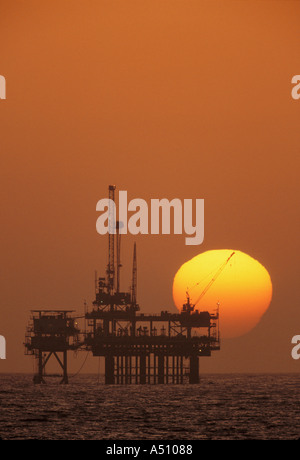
{"points": [[194, 369], [126, 369], [149, 368], [111, 239], [181, 370], [130, 369], [167, 369], [65, 378], [173, 369], [118, 369], [143, 369], [122, 369], [118, 238], [109, 370], [161, 369], [40, 368]]}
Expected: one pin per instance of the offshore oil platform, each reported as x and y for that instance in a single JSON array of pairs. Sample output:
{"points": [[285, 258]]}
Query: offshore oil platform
{"points": [[137, 348]]}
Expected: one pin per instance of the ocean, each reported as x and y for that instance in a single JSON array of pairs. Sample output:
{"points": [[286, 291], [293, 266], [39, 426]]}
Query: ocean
{"points": [[239, 406]]}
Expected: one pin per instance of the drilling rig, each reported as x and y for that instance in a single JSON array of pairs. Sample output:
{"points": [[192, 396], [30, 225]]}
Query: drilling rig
{"points": [[108, 294], [137, 348]]}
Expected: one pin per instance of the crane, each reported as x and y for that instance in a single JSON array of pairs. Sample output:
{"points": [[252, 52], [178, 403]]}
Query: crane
{"points": [[188, 307]]}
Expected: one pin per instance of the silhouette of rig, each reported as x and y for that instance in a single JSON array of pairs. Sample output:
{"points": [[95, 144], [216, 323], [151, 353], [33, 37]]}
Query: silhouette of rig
{"points": [[137, 348]]}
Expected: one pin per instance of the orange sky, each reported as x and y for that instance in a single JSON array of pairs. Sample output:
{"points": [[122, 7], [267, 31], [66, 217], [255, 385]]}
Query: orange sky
{"points": [[186, 99]]}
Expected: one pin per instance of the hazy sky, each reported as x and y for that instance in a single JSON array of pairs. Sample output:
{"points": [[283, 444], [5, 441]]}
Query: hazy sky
{"points": [[165, 99]]}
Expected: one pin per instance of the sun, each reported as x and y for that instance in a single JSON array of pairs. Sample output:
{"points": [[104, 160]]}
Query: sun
{"points": [[229, 280]]}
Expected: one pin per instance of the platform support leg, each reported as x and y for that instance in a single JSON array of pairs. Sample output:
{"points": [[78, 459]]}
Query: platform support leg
{"points": [[161, 369], [109, 370], [194, 369], [65, 379], [143, 369], [38, 378]]}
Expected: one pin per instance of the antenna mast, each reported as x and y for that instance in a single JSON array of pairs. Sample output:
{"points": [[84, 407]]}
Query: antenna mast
{"points": [[119, 265], [134, 278]]}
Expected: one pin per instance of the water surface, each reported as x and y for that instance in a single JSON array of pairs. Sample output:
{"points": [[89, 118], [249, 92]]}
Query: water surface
{"points": [[220, 407]]}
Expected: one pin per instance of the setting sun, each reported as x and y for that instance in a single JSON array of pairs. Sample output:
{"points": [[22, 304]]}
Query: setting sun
{"points": [[232, 280]]}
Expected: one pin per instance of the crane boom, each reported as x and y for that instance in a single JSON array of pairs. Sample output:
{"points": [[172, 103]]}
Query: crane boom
{"points": [[214, 279], [111, 242]]}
